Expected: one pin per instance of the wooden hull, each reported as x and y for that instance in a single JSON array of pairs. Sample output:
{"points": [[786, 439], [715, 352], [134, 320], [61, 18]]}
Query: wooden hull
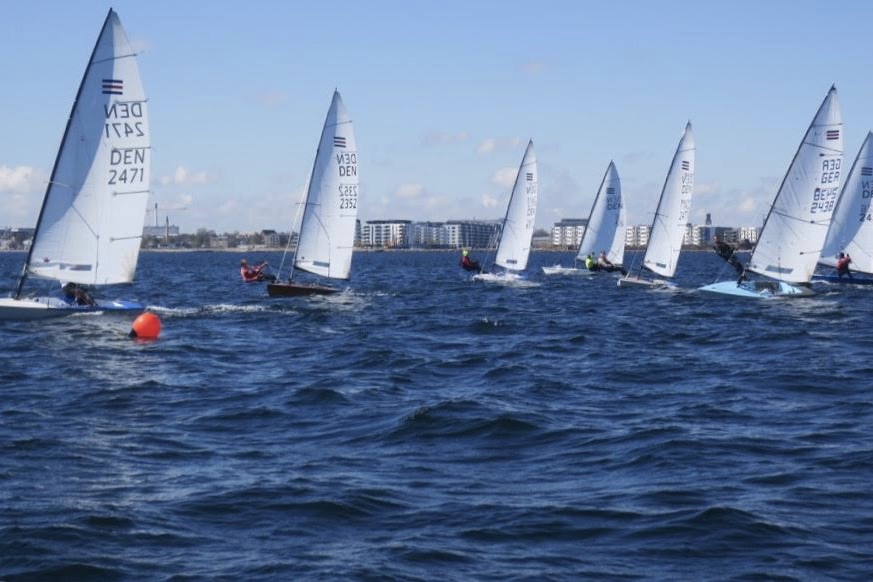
{"points": [[33, 308], [297, 290]]}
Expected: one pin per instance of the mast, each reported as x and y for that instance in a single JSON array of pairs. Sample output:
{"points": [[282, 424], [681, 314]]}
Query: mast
{"points": [[815, 120], [591, 212], [23, 276]]}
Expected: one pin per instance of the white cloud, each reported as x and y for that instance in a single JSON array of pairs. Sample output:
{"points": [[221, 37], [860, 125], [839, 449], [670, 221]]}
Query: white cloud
{"points": [[505, 177], [228, 207], [437, 138], [492, 144], [409, 191], [486, 146], [489, 201], [21, 179], [182, 176]]}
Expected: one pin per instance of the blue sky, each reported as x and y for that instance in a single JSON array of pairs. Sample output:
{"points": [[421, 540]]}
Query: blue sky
{"points": [[444, 96]]}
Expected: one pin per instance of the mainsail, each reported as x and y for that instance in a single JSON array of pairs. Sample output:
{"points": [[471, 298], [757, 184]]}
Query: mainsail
{"points": [[851, 228], [795, 229], [518, 225], [90, 225], [605, 228], [327, 229], [671, 215]]}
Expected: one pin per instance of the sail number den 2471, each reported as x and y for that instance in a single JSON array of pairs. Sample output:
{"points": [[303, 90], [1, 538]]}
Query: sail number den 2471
{"points": [[125, 120]]}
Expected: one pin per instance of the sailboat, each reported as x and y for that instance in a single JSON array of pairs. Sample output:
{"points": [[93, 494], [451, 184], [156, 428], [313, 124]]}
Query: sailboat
{"points": [[794, 231], [671, 216], [851, 230], [516, 233], [604, 230], [330, 209], [91, 220]]}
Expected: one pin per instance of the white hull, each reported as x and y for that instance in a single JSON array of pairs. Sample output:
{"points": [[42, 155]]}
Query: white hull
{"points": [[630, 281], [504, 277], [34, 308], [559, 270], [758, 289]]}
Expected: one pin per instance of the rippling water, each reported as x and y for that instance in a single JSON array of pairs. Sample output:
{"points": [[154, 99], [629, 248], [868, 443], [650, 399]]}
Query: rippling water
{"points": [[420, 426]]}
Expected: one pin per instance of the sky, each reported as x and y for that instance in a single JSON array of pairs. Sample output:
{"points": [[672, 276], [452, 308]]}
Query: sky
{"points": [[444, 97]]}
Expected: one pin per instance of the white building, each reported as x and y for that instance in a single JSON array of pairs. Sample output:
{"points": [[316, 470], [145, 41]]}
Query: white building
{"points": [[749, 233], [479, 234], [637, 235], [568, 232], [385, 233]]}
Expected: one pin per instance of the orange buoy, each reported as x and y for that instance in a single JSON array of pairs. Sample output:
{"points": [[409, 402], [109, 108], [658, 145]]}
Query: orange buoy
{"points": [[146, 326]]}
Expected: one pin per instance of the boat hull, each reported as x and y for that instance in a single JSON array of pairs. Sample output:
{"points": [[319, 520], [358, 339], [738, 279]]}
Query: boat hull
{"points": [[559, 270], [645, 283], [505, 277], [297, 290], [34, 308], [758, 289]]}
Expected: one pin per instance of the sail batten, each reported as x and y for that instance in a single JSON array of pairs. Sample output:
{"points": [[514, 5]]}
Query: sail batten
{"points": [[671, 214], [513, 250], [327, 229], [851, 229], [795, 229], [605, 228], [86, 219]]}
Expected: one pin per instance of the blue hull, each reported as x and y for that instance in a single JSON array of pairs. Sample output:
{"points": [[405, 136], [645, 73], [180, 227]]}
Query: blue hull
{"points": [[757, 289]]}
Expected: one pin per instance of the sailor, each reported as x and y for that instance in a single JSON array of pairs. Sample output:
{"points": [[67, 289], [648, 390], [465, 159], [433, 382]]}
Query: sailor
{"points": [[251, 273], [76, 295], [590, 263], [843, 260], [469, 264]]}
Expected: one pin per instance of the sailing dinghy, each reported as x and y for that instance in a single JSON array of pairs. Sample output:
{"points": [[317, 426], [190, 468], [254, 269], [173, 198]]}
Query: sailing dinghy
{"points": [[671, 216], [851, 230], [794, 231], [516, 233], [604, 230], [91, 220], [330, 209]]}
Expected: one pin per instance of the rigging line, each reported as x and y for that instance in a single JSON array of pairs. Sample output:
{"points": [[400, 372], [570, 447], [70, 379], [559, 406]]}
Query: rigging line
{"points": [[114, 58]]}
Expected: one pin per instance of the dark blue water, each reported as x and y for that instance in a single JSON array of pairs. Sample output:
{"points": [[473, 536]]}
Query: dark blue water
{"points": [[421, 426]]}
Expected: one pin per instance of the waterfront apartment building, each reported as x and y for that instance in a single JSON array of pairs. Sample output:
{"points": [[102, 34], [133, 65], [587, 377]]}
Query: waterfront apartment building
{"points": [[477, 234], [385, 233], [567, 234], [749, 233], [428, 235], [637, 235]]}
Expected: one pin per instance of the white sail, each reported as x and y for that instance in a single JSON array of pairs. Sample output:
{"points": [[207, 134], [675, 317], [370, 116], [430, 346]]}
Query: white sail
{"points": [[518, 226], [795, 229], [90, 226], [671, 216], [327, 230], [605, 228], [851, 228]]}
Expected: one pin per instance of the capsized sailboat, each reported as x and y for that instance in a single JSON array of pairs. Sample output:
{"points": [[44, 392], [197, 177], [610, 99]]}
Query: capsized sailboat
{"points": [[671, 217], [330, 209], [513, 247], [604, 231], [91, 220], [794, 231], [851, 230]]}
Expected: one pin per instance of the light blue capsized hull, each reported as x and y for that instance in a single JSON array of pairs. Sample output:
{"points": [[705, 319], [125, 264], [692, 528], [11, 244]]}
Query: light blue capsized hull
{"points": [[757, 289], [31, 308]]}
